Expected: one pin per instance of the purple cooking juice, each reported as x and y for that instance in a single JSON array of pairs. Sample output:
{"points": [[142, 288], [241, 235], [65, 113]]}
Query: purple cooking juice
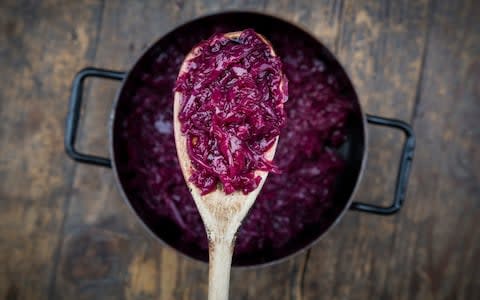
{"points": [[231, 110], [306, 155]]}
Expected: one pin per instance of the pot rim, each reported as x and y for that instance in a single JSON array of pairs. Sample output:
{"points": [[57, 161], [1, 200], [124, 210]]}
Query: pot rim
{"points": [[113, 158]]}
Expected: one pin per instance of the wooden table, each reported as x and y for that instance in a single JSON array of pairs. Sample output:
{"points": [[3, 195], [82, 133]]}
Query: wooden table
{"points": [[65, 233]]}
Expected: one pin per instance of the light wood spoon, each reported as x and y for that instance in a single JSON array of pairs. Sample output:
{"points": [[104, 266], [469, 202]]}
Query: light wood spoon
{"points": [[221, 214]]}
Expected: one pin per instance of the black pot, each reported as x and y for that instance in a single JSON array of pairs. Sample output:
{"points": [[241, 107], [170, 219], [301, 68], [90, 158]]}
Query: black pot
{"points": [[354, 151]]}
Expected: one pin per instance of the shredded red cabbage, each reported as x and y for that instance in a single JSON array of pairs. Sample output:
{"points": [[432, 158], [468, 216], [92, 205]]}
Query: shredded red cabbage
{"points": [[231, 111]]}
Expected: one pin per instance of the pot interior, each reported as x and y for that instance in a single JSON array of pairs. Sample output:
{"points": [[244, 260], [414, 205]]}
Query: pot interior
{"points": [[139, 131]]}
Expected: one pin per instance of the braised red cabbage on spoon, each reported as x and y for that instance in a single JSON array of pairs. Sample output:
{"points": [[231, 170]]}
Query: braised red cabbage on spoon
{"points": [[228, 113], [233, 90]]}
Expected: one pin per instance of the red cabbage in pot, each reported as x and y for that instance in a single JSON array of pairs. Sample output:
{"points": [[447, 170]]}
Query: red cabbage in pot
{"points": [[289, 202], [231, 111]]}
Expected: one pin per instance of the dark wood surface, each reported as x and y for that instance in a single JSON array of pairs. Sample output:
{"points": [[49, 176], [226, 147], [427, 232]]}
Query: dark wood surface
{"points": [[65, 233]]}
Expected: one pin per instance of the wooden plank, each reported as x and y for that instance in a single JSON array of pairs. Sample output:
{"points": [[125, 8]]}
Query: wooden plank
{"points": [[381, 46], [106, 254], [42, 44], [321, 18], [437, 244]]}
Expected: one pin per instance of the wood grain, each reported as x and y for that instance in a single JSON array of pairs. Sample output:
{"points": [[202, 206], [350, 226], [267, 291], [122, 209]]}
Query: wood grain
{"points": [[65, 233], [41, 45]]}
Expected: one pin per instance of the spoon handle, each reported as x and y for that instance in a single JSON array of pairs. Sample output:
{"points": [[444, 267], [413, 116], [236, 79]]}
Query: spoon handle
{"points": [[219, 269]]}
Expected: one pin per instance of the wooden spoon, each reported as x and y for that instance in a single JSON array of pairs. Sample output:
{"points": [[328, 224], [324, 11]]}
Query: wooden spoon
{"points": [[221, 214]]}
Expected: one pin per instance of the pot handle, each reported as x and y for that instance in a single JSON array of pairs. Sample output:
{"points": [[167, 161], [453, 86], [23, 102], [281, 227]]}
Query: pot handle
{"points": [[403, 169], [73, 115]]}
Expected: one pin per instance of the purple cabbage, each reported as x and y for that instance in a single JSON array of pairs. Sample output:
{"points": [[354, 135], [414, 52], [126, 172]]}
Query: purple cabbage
{"points": [[231, 111]]}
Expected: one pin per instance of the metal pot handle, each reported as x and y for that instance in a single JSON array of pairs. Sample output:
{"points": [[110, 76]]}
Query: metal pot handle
{"points": [[73, 115], [403, 169]]}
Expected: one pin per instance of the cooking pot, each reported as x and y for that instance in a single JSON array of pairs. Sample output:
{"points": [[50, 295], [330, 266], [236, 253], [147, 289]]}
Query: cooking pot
{"points": [[354, 150]]}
